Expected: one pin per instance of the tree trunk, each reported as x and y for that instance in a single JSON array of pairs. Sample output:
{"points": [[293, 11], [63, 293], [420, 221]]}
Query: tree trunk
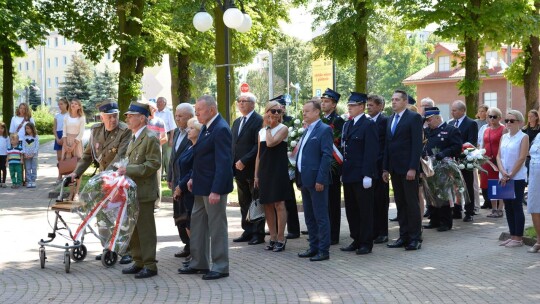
{"points": [[130, 27], [183, 89], [531, 73], [361, 44], [470, 85], [7, 85], [173, 67]]}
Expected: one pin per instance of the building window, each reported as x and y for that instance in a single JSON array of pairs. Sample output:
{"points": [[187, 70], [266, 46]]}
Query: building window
{"points": [[48, 82], [490, 99], [56, 41], [49, 101], [20, 66], [48, 62], [26, 64], [65, 60], [109, 55], [64, 79], [444, 63], [33, 65], [492, 59], [56, 82], [65, 40], [56, 61]]}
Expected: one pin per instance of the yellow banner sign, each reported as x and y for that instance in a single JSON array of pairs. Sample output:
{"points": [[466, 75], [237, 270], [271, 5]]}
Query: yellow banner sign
{"points": [[322, 75]]}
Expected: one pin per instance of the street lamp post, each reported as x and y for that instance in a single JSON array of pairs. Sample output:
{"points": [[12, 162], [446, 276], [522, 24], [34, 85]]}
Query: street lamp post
{"points": [[227, 16]]}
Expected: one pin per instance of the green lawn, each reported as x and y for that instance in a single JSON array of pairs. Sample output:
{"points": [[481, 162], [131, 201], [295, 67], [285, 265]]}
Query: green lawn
{"points": [[45, 138], [530, 232]]}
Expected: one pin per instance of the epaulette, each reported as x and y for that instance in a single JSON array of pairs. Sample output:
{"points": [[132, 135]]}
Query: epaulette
{"points": [[96, 125]]}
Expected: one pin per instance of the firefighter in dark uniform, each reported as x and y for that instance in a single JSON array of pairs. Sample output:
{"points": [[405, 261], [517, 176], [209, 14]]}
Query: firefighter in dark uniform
{"points": [[443, 140], [108, 143]]}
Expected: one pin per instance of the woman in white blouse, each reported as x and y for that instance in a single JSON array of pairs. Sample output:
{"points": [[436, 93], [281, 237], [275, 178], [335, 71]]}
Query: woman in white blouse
{"points": [[23, 115], [74, 123], [513, 152]]}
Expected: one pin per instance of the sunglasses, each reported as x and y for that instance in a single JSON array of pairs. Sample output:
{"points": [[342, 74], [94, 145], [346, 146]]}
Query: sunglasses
{"points": [[510, 120], [275, 111], [493, 116]]}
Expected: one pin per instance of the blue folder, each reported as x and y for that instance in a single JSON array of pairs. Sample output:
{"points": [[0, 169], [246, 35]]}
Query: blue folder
{"points": [[497, 191]]}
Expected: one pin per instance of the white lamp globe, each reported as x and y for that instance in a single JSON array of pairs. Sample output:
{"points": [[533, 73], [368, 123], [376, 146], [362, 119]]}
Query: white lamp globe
{"points": [[202, 21], [233, 18], [246, 24]]}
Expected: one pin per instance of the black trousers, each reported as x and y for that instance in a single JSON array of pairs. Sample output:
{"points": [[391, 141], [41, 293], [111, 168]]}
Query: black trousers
{"points": [[245, 196], [380, 208], [468, 177], [441, 216], [293, 223], [334, 207], [406, 197], [359, 211]]}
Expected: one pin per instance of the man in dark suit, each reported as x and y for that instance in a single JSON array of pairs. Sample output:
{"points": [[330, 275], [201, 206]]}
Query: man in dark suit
{"points": [[402, 160], [360, 152], [211, 182], [293, 222], [469, 133], [144, 156], [313, 165], [180, 143], [443, 140], [375, 106], [245, 131], [329, 101]]}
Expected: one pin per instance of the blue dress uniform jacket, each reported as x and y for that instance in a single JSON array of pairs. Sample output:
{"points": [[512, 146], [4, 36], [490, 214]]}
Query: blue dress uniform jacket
{"points": [[360, 150], [444, 140]]}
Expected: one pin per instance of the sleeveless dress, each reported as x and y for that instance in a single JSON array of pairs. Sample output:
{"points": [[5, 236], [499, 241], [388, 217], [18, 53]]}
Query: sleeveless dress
{"points": [[273, 170], [492, 139], [533, 202]]}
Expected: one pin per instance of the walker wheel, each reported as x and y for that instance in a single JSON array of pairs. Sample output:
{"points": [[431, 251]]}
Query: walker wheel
{"points": [[42, 257], [67, 261], [78, 253], [109, 258]]}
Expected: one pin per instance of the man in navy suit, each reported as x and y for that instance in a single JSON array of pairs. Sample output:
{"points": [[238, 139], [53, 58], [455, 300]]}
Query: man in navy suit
{"points": [[359, 169], [402, 160], [313, 165], [245, 130], [375, 106], [211, 182], [329, 101], [469, 133], [183, 113]]}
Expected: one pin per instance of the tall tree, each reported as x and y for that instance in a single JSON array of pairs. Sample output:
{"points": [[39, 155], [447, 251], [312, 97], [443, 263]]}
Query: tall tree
{"points": [[34, 100], [298, 55], [473, 23], [346, 38], [78, 82], [104, 86], [19, 20]]}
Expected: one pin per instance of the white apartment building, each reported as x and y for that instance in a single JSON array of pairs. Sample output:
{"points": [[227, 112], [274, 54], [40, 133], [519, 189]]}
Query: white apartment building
{"points": [[46, 65]]}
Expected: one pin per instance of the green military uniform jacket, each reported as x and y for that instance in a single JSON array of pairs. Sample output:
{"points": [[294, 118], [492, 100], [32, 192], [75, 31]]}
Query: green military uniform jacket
{"points": [[106, 150], [144, 157]]}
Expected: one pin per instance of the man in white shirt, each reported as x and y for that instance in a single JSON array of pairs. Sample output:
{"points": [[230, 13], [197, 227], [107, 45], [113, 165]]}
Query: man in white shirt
{"points": [[168, 118]]}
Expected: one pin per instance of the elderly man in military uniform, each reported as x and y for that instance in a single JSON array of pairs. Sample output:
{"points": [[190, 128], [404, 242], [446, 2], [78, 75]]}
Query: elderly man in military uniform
{"points": [[108, 144], [329, 101], [443, 140], [144, 156]]}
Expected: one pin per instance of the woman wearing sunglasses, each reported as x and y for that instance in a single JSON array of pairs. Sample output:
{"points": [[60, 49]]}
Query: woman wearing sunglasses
{"points": [[490, 140], [511, 162], [272, 175]]}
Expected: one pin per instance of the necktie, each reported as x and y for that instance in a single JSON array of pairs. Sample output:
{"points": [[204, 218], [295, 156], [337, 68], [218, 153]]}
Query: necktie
{"points": [[242, 122], [203, 129], [396, 119], [456, 123]]}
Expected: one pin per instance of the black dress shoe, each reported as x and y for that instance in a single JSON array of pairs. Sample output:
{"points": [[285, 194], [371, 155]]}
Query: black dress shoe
{"points": [[381, 239], [131, 270], [126, 259], [363, 250], [397, 244], [181, 254], [291, 236], [256, 240], [351, 247], [468, 218], [413, 245], [304, 232], [320, 257], [189, 270], [98, 257], [307, 254], [443, 228], [334, 242], [242, 238], [395, 219], [145, 273], [214, 275], [430, 226]]}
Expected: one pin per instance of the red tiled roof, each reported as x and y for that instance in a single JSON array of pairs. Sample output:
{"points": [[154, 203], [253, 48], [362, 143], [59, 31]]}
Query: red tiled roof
{"points": [[428, 74]]}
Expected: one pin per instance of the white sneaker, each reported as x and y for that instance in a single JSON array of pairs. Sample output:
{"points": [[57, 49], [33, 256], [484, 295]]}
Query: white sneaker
{"points": [[34, 185], [28, 185]]}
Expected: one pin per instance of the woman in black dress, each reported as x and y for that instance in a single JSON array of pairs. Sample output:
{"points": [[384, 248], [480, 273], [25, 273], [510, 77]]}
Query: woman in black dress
{"points": [[272, 175]]}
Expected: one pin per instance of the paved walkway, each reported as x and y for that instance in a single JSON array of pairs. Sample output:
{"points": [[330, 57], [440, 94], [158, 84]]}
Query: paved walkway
{"points": [[464, 265]]}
